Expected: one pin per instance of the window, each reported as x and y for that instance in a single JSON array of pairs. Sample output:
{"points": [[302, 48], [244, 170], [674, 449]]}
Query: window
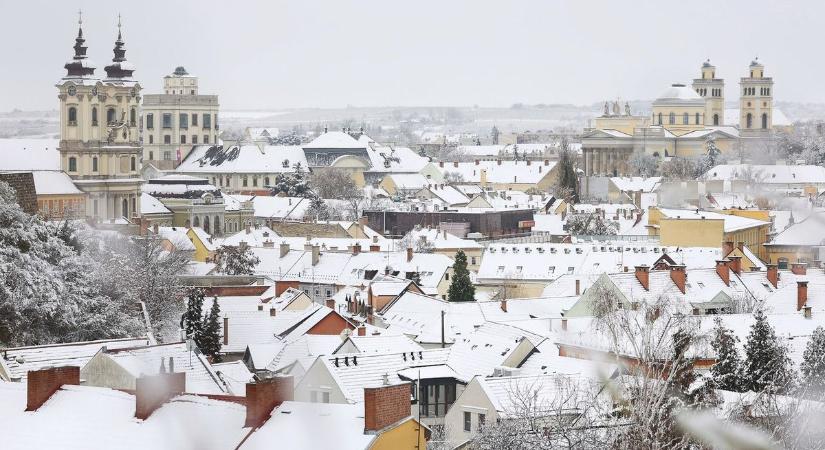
{"points": [[764, 121], [72, 116], [716, 119], [150, 121], [167, 155], [151, 140], [325, 397], [183, 139], [749, 121], [94, 115], [94, 164], [133, 164], [468, 421], [245, 181], [207, 121], [782, 263], [216, 121], [446, 276], [482, 419], [167, 139], [205, 138], [672, 119], [192, 92], [167, 120], [194, 120], [194, 138], [72, 164], [183, 120], [151, 154], [685, 119], [110, 116], [266, 181], [660, 118], [133, 117], [436, 397], [697, 118], [473, 260], [255, 181]]}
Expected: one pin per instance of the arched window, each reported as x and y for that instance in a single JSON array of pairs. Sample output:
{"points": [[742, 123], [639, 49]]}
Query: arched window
{"points": [[125, 208], [660, 118], [749, 121], [245, 181], [72, 115], [72, 164], [206, 224], [266, 181], [716, 119], [197, 222], [217, 225], [672, 119], [94, 164], [133, 117], [94, 115], [133, 164], [697, 118], [110, 116], [685, 119], [764, 121]]}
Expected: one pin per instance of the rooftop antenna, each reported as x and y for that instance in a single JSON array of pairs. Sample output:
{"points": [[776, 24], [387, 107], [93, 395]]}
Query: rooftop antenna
{"points": [[80, 17]]}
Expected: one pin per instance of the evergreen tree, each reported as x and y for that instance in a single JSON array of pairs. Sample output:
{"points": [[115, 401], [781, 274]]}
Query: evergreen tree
{"points": [[192, 320], [210, 341], [813, 363], [461, 288], [727, 372], [236, 260], [767, 366], [567, 184]]}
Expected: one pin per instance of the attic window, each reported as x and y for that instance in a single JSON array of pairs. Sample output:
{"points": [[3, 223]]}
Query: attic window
{"points": [[570, 270], [551, 269], [701, 285]]}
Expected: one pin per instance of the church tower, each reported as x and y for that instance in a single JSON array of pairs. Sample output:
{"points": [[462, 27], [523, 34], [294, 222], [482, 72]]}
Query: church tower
{"points": [[712, 89], [755, 102], [99, 140]]}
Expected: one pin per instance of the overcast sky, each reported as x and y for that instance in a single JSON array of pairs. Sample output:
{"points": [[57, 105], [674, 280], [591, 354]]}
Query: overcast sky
{"points": [[277, 54]]}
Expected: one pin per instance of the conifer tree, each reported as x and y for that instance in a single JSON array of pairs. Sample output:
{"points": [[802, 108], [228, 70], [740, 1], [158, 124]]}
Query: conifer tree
{"points": [[210, 340], [727, 372], [192, 320], [461, 287], [767, 366], [813, 363]]}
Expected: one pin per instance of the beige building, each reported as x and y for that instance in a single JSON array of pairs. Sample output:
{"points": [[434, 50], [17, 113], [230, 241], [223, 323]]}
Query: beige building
{"points": [[99, 140], [178, 119]]}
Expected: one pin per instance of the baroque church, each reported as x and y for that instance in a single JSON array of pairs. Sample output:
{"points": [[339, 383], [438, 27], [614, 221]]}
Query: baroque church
{"points": [[100, 145], [682, 120]]}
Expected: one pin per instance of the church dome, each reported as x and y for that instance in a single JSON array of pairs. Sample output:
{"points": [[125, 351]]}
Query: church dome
{"points": [[678, 91]]}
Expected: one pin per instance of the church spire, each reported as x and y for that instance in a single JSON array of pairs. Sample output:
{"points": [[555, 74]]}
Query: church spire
{"points": [[120, 67], [80, 66]]}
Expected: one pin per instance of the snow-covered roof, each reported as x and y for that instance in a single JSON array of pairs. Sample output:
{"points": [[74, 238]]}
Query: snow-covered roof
{"points": [[381, 344], [246, 158], [732, 222], [275, 207], [409, 181], [634, 184], [502, 171], [53, 182], [304, 349], [151, 205], [16, 362], [768, 173], [778, 118], [29, 154], [679, 93], [449, 195], [256, 237], [235, 374], [556, 391], [177, 237], [808, 232], [334, 140], [441, 239], [487, 347]]}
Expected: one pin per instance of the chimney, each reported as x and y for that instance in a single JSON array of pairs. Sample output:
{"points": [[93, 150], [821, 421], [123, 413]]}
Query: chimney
{"points": [[284, 249], [455, 163], [528, 162], [679, 276], [273, 312], [316, 254], [226, 331], [356, 249], [563, 324], [807, 312], [265, 395], [155, 228], [801, 294], [330, 303], [478, 162], [43, 383], [375, 239], [773, 275], [441, 164], [816, 264], [727, 247], [153, 391], [498, 161], [375, 248], [643, 275], [385, 406], [260, 308], [799, 268], [735, 264], [362, 330], [504, 305], [546, 162], [723, 271], [269, 244], [578, 287], [409, 254]]}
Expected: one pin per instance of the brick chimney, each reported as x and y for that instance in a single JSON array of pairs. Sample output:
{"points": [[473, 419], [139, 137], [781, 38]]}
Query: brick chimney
{"points": [[441, 164], [799, 268], [362, 330], [723, 271], [455, 163], [735, 264], [375, 248], [528, 162], [546, 162], [265, 395], [578, 287], [385, 406], [226, 329], [409, 254], [773, 275], [330, 303], [478, 162], [43, 383], [563, 324], [153, 391], [356, 249], [679, 276], [801, 294], [643, 275], [727, 247], [155, 228], [504, 305], [284, 249], [273, 312]]}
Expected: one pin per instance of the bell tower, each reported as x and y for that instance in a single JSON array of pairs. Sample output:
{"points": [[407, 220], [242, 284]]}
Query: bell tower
{"points": [[712, 89], [99, 140], [756, 102]]}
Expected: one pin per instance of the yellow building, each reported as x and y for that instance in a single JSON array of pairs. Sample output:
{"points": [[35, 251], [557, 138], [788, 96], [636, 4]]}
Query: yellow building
{"points": [[204, 245]]}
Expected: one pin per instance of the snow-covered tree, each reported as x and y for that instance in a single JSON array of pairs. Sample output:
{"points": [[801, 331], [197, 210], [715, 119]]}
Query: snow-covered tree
{"points": [[293, 184], [461, 287], [591, 224], [727, 372], [238, 260], [679, 169], [709, 159], [643, 165], [210, 341], [192, 319], [813, 363], [767, 365], [567, 183], [286, 139]]}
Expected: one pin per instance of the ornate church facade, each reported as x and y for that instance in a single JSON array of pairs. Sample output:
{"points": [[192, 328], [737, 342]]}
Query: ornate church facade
{"points": [[100, 145]]}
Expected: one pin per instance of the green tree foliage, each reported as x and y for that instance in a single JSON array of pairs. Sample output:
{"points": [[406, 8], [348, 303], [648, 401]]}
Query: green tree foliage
{"points": [[567, 184], [210, 341], [192, 320], [727, 372], [461, 287], [813, 364], [767, 366], [238, 260]]}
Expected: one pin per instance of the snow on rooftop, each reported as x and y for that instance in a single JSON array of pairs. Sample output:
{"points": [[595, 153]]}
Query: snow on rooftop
{"points": [[335, 140], [29, 154], [246, 158], [151, 205]]}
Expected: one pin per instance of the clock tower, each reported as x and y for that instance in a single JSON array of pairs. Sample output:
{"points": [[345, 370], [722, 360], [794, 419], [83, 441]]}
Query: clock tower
{"points": [[99, 140]]}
